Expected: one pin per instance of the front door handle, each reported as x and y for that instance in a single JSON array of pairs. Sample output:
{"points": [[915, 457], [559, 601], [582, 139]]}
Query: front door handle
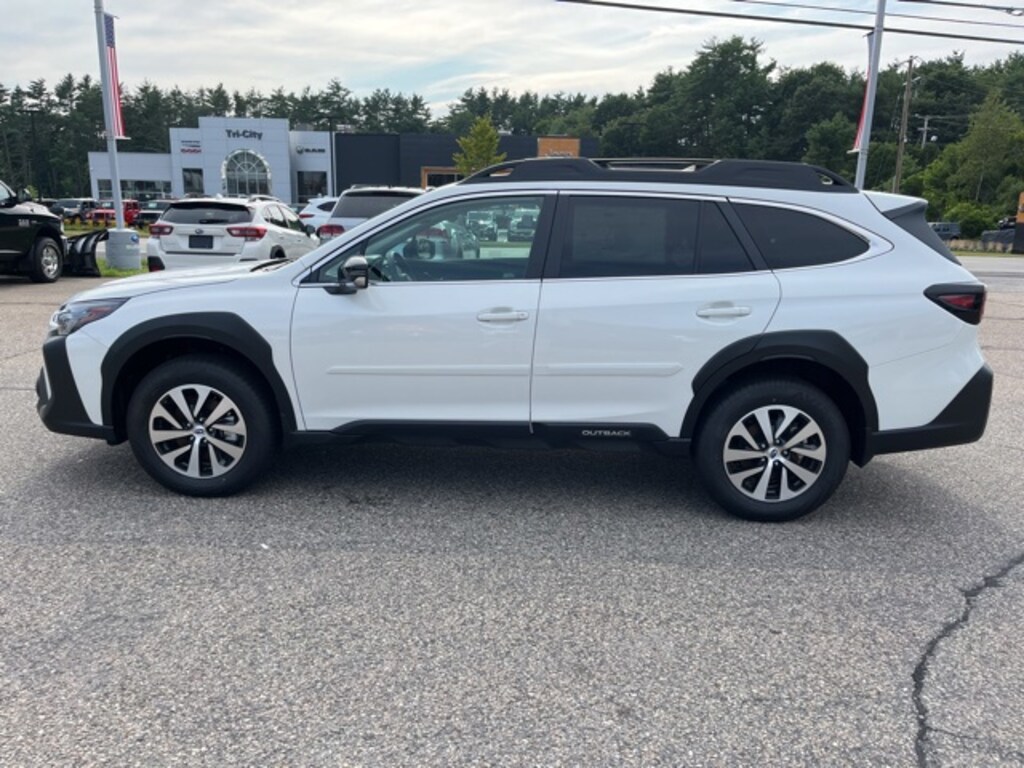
{"points": [[729, 311]]}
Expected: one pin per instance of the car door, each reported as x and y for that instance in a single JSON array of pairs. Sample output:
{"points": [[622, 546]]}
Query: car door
{"points": [[298, 241], [639, 293], [434, 337], [277, 234]]}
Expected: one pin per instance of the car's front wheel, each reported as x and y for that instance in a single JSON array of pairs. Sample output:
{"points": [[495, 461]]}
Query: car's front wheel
{"points": [[46, 262], [773, 450], [201, 426]]}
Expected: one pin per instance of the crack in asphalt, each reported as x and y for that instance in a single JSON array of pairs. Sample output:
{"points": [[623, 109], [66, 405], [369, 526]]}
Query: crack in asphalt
{"points": [[920, 677]]}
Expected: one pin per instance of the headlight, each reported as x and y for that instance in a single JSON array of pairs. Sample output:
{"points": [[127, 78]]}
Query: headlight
{"points": [[73, 316]]}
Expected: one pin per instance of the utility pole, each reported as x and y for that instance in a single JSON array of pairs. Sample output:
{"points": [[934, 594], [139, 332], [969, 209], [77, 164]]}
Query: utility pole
{"points": [[902, 139], [869, 96]]}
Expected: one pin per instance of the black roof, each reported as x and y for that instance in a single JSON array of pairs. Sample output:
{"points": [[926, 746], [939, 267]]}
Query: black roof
{"points": [[740, 173]]}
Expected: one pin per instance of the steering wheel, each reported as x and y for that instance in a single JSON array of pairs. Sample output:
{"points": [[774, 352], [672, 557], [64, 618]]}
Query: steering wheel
{"points": [[391, 268]]}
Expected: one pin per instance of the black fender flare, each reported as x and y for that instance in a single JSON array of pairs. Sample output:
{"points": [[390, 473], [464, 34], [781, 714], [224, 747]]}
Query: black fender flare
{"points": [[224, 328], [822, 348]]}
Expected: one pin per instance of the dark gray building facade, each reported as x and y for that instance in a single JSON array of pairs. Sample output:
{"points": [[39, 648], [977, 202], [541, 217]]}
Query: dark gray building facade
{"points": [[425, 159]]}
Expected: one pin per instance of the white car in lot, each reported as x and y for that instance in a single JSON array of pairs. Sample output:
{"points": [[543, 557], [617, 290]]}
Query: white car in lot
{"points": [[767, 319], [200, 232], [358, 204], [316, 212]]}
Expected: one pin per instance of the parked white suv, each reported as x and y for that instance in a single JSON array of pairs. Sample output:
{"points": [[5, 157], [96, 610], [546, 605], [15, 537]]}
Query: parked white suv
{"points": [[767, 318], [200, 232], [317, 211], [358, 204]]}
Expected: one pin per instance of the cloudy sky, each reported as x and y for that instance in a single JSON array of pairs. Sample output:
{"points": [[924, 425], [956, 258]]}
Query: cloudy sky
{"points": [[439, 48]]}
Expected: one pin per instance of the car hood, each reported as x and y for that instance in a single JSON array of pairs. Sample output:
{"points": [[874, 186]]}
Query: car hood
{"points": [[151, 282]]}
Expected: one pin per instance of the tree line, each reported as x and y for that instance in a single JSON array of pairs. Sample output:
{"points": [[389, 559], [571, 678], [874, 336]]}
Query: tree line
{"points": [[964, 149]]}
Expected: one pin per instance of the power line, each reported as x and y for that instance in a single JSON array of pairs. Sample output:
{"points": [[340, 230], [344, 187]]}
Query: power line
{"points": [[802, 22], [1012, 10], [859, 12]]}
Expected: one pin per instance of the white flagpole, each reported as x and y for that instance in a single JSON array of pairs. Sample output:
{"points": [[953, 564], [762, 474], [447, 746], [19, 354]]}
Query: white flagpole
{"points": [[108, 115], [869, 97]]}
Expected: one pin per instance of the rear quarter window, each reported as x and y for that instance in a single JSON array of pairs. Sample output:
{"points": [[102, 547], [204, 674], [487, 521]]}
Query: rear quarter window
{"points": [[789, 239]]}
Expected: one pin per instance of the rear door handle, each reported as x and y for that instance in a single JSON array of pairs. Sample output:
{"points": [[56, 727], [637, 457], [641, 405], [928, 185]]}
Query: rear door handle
{"points": [[503, 316], [730, 311]]}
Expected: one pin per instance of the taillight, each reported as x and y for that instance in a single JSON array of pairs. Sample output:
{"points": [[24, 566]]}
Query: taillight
{"points": [[248, 234], [305, 215], [330, 230], [155, 230], [966, 301]]}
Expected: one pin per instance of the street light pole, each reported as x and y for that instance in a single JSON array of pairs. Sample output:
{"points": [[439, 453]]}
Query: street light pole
{"points": [[869, 96]]}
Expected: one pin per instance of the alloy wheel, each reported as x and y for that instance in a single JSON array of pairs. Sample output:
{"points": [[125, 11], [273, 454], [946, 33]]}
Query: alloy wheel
{"points": [[197, 431], [774, 453]]}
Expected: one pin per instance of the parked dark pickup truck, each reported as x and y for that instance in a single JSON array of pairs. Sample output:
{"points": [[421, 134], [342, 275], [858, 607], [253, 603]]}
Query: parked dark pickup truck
{"points": [[31, 238]]}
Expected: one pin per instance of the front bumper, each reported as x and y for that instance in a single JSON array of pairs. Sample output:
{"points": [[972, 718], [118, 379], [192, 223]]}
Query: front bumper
{"points": [[59, 403], [962, 421]]}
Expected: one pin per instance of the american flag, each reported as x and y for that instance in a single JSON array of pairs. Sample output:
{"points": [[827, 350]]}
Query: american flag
{"points": [[115, 80]]}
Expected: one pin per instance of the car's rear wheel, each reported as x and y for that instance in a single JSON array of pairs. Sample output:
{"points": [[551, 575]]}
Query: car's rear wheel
{"points": [[46, 262], [773, 450], [201, 427]]}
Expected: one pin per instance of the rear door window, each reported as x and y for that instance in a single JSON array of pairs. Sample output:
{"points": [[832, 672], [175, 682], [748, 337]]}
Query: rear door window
{"points": [[618, 236], [628, 237], [719, 250], [274, 215]]}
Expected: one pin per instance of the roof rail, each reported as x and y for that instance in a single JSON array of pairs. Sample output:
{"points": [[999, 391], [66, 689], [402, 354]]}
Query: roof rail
{"points": [[671, 170]]}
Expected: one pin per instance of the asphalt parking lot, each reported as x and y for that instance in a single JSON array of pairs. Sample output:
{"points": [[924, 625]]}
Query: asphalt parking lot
{"points": [[400, 606]]}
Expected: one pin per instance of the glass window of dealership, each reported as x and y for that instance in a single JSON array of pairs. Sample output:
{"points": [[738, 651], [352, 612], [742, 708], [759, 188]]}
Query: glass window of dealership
{"points": [[245, 156]]}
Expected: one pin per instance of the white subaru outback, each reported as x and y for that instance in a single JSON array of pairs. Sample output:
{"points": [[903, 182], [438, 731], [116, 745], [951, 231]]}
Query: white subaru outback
{"points": [[767, 318]]}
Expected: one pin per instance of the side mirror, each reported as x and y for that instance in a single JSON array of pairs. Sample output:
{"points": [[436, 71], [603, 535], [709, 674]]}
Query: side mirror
{"points": [[310, 230], [24, 196], [355, 276]]}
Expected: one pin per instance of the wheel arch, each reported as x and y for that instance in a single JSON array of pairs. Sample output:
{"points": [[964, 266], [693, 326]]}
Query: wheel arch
{"points": [[822, 358], [53, 232], [144, 347]]}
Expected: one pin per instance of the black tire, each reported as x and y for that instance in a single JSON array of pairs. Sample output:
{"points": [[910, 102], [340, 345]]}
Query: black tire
{"points": [[220, 442], [46, 262], [783, 477]]}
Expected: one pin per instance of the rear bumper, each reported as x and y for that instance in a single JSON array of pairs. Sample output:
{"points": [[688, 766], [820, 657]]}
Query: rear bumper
{"points": [[58, 402], [962, 421]]}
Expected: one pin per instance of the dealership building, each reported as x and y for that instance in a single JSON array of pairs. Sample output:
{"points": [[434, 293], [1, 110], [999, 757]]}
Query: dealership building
{"points": [[244, 156]]}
